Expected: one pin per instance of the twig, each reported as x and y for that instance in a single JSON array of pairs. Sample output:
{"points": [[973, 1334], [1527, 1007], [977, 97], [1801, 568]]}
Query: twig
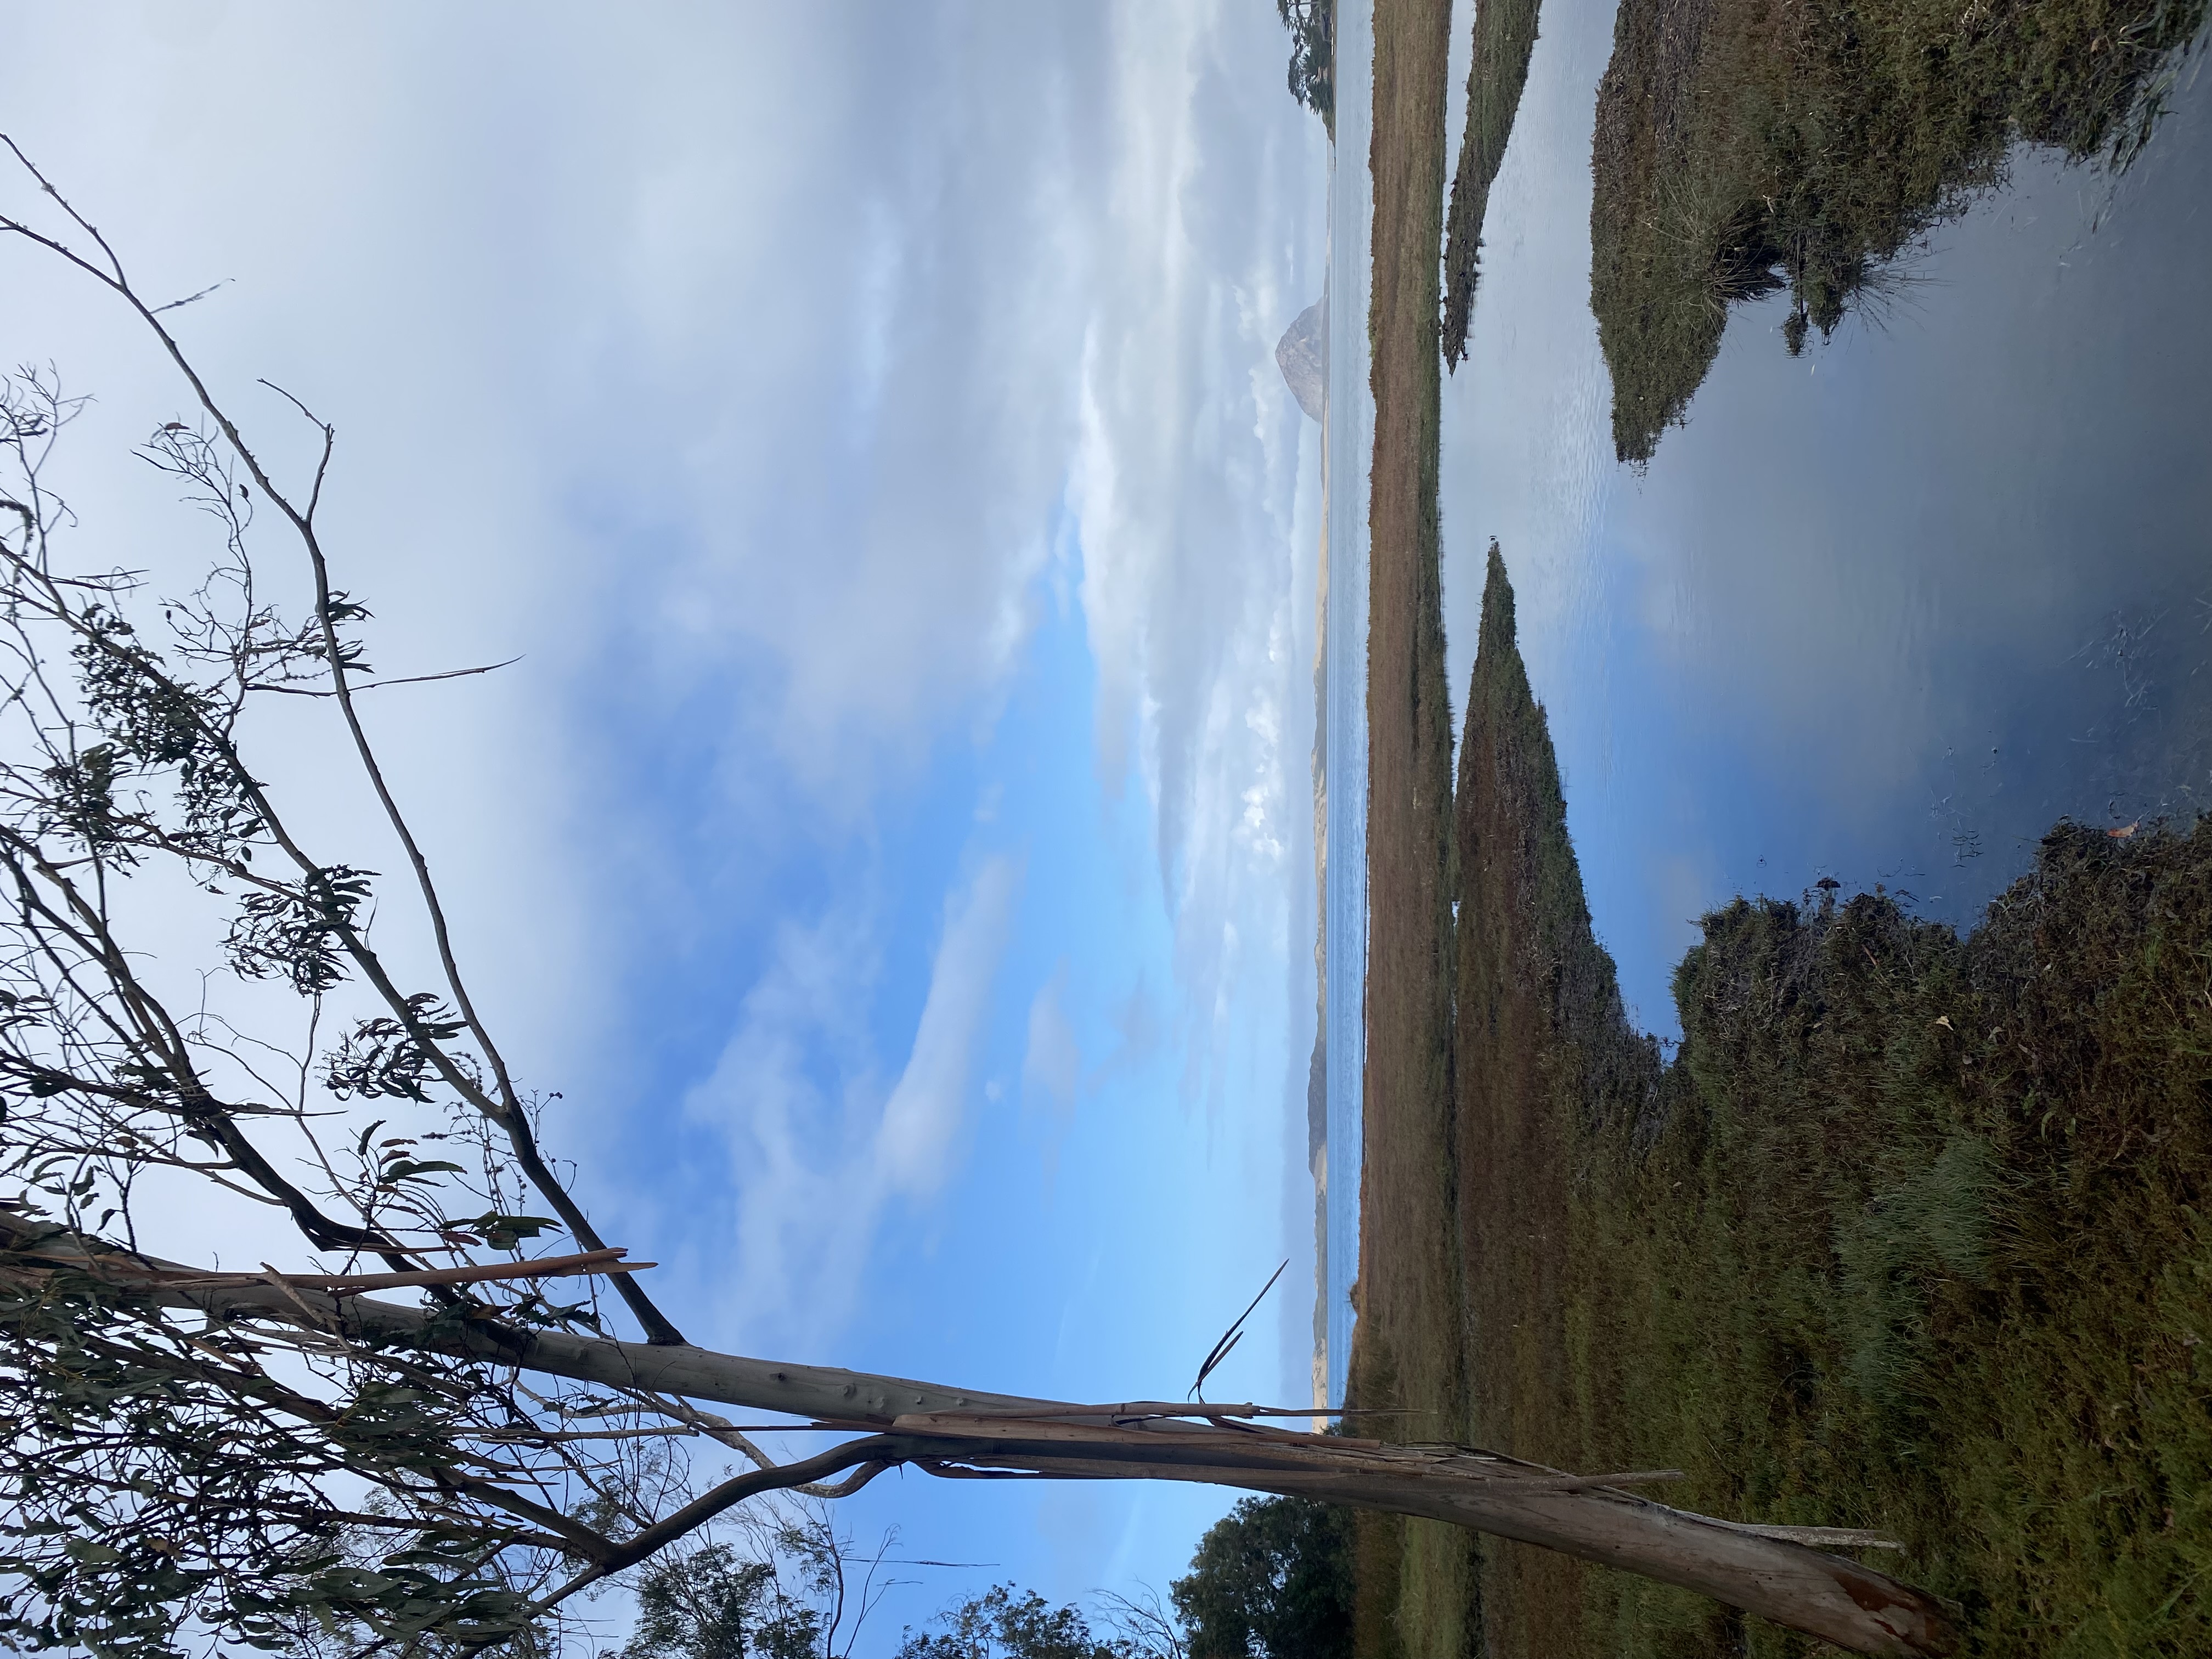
{"points": [[189, 298], [377, 685], [1233, 1336]]}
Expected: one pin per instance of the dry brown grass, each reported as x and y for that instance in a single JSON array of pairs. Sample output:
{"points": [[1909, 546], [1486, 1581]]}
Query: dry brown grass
{"points": [[1414, 1575]]}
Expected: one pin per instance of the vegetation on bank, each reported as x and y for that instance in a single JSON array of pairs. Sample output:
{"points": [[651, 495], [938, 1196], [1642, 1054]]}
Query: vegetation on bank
{"points": [[1744, 147], [1497, 74], [1911, 1234], [1272, 1579], [1921, 1244]]}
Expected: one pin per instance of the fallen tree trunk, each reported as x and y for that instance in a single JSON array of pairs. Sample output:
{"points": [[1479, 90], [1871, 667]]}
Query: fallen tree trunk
{"points": [[957, 1432]]}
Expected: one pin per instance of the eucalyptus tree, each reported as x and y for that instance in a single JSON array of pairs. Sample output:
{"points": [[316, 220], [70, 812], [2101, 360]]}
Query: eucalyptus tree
{"points": [[792, 1587], [454, 1406]]}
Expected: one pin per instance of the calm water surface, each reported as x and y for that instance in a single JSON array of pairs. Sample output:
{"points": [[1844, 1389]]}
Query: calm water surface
{"points": [[1348, 446], [1884, 611]]}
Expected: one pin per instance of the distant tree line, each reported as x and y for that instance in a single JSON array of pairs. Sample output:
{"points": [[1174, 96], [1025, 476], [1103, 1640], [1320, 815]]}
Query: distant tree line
{"points": [[1270, 1580], [1312, 24]]}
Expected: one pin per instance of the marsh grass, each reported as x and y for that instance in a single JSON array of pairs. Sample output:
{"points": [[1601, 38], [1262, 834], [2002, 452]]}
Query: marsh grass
{"points": [[1747, 147], [1415, 1577], [1497, 75], [1921, 1247], [1913, 1233]]}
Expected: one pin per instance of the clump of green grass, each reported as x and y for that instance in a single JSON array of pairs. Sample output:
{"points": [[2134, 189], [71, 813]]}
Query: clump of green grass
{"points": [[1913, 1233], [1922, 1246], [1744, 147]]}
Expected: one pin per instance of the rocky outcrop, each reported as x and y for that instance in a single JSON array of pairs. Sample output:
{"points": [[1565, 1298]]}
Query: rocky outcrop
{"points": [[1303, 355]]}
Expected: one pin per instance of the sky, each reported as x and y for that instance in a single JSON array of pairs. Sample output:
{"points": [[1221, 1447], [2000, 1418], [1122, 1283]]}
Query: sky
{"points": [[859, 420]]}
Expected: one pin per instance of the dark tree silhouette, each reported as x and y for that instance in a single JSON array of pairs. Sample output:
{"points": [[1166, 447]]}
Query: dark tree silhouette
{"points": [[1312, 24], [1271, 1580]]}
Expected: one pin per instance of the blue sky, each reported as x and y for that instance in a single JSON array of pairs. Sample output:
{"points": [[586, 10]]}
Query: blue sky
{"points": [[862, 421]]}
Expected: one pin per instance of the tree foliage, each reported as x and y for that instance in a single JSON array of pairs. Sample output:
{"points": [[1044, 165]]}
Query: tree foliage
{"points": [[1007, 1622], [1312, 24], [792, 1587], [267, 1484], [1271, 1580]]}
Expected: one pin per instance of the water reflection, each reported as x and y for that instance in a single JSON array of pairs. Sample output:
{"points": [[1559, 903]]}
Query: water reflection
{"points": [[1887, 610]]}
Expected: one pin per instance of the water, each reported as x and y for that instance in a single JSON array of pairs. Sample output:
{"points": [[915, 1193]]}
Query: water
{"points": [[1348, 446], [1884, 611]]}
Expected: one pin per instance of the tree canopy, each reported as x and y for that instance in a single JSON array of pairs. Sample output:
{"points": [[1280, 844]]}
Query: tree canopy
{"points": [[1005, 1622], [1271, 1580], [1312, 24]]}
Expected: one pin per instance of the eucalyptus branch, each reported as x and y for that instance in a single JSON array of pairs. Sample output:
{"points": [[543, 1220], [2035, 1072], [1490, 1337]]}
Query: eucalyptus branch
{"points": [[507, 1110], [869, 1456]]}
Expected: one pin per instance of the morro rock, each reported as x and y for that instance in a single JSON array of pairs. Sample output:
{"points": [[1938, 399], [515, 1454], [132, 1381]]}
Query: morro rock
{"points": [[1303, 355]]}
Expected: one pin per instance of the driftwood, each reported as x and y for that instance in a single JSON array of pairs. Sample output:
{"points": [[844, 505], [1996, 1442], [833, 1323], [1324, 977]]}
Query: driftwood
{"points": [[1778, 1573]]}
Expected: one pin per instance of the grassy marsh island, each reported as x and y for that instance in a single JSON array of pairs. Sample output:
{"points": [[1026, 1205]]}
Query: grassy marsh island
{"points": [[1497, 75], [1747, 147]]}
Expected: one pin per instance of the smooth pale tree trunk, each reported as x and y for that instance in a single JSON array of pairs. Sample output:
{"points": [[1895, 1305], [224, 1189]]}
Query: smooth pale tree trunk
{"points": [[954, 1431]]}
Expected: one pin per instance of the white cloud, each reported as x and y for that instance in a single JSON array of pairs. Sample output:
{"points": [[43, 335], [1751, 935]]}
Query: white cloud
{"points": [[1197, 564], [924, 1115], [1052, 1063], [739, 366], [817, 1148]]}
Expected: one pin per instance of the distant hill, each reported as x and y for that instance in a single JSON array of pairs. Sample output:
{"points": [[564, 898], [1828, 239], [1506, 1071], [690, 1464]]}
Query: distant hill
{"points": [[1303, 355]]}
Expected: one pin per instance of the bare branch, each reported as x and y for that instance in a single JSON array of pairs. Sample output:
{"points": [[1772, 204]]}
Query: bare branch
{"points": [[407, 679], [189, 298], [589, 1262], [505, 1107]]}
